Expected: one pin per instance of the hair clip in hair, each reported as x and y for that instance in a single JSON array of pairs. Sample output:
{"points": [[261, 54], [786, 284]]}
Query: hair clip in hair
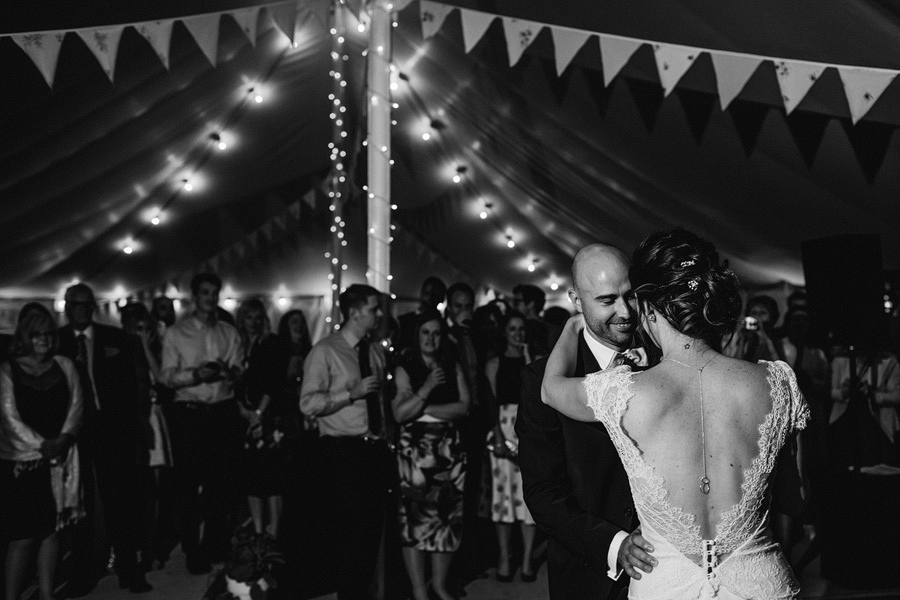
{"points": [[688, 263], [694, 284]]}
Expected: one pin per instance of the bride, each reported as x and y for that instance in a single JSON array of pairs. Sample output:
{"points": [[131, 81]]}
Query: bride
{"points": [[708, 441]]}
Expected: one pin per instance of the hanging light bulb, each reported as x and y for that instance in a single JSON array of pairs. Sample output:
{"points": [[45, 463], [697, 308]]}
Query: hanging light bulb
{"points": [[426, 136], [483, 214], [188, 186], [127, 249], [554, 286], [154, 221], [510, 243]]}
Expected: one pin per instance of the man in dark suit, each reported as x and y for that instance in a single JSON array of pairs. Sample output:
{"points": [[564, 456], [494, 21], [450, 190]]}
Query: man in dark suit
{"points": [[574, 483], [110, 442]]}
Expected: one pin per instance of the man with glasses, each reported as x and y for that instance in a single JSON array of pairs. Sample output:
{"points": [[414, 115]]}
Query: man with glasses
{"points": [[110, 444]]}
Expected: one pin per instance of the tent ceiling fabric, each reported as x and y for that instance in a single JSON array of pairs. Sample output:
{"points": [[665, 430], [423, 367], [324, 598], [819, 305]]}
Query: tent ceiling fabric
{"points": [[561, 159]]}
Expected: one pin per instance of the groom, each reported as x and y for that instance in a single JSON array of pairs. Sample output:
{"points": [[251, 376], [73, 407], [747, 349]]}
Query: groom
{"points": [[574, 482]]}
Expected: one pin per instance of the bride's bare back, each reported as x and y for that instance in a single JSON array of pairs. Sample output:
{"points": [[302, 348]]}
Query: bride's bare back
{"points": [[664, 422]]}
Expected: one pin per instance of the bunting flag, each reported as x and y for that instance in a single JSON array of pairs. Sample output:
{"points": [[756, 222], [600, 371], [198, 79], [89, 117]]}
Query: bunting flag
{"points": [[474, 24], [43, 50], [807, 129], [614, 53], [104, 44], [733, 71], [247, 19], [319, 9], [672, 62], [566, 45], [519, 35], [158, 34], [205, 31], [795, 80], [284, 16], [863, 87], [433, 16]]}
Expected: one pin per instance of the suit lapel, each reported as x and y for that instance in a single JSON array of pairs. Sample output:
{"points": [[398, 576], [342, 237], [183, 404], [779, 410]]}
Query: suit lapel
{"points": [[587, 363]]}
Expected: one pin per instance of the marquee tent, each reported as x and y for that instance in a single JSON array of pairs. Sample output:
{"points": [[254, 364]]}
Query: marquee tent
{"points": [[759, 125]]}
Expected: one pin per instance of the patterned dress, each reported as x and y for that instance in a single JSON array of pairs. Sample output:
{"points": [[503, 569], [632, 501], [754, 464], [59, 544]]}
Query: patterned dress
{"points": [[507, 501], [432, 466]]}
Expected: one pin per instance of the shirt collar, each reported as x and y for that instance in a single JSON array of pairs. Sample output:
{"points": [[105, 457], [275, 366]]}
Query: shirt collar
{"points": [[88, 332], [603, 354], [348, 336]]}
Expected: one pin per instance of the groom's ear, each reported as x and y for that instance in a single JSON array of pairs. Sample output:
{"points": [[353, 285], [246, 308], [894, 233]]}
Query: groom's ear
{"points": [[575, 299]]}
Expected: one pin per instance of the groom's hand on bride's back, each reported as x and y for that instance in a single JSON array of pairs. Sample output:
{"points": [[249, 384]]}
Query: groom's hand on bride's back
{"points": [[634, 554]]}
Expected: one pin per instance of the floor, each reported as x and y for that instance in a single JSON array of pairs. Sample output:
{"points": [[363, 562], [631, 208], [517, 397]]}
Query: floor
{"points": [[174, 583]]}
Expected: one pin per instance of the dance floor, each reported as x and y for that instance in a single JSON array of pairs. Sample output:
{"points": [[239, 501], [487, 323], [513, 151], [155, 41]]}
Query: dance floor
{"points": [[174, 583]]}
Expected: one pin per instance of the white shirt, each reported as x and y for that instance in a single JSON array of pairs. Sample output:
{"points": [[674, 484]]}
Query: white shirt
{"points": [[604, 356]]}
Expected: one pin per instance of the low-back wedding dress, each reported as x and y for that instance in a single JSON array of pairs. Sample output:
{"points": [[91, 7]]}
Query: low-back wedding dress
{"points": [[743, 561]]}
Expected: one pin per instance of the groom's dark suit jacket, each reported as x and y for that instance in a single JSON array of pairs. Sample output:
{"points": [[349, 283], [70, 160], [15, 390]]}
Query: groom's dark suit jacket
{"points": [[575, 487]]}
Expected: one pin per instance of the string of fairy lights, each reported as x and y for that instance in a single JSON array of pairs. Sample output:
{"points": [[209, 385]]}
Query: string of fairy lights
{"points": [[434, 129]]}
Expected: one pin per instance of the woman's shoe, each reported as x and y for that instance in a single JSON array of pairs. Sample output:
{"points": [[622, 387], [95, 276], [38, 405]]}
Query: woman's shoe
{"points": [[504, 578]]}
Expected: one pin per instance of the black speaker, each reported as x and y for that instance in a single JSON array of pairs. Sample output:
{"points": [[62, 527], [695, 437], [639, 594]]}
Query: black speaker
{"points": [[845, 288]]}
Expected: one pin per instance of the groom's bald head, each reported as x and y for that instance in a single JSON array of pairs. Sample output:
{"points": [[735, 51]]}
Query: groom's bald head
{"points": [[601, 291]]}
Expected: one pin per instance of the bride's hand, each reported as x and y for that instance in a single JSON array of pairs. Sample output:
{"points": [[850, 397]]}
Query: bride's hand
{"points": [[634, 555]]}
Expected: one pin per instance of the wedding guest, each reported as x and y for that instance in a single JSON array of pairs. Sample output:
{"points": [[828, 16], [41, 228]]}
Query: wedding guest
{"points": [[294, 334], [201, 360], [343, 381], [507, 503], [529, 300], [163, 313], [262, 406], [431, 398], [431, 294], [753, 340], [112, 445], [40, 417], [157, 482]]}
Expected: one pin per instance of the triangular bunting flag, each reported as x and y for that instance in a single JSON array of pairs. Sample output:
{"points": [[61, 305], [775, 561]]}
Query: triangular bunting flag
{"points": [[870, 142], [732, 74], [748, 118], [320, 10], [247, 19], [310, 199], [284, 16], [614, 53], [205, 30], [566, 44], [672, 62], [795, 79], [433, 16], [104, 44], [698, 107], [648, 99], [807, 129], [519, 35], [43, 50], [863, 88], [474, 24], [159, 34]]}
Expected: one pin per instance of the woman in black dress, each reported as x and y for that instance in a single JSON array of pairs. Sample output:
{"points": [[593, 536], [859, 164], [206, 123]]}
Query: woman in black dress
{"points": [[431, 397], [40, 414], [263, 407]]}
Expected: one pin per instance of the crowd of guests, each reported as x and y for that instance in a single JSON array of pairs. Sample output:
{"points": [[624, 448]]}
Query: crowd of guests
{"points": [[121, 443]]}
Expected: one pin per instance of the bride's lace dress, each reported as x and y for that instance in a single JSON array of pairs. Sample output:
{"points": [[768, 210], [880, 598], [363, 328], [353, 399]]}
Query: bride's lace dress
{"points": [[742, 561]]}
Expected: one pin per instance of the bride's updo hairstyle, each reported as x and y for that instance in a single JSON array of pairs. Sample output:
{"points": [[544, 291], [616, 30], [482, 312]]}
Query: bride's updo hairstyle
{"points": [[681, 276]]}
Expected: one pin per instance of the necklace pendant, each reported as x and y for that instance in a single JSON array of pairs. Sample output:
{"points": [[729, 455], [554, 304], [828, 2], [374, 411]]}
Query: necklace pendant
{"points": [[704, 485]]}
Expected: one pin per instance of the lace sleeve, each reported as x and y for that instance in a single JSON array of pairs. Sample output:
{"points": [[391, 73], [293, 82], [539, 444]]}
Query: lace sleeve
{"points": [[798, 408], [602, 390]]}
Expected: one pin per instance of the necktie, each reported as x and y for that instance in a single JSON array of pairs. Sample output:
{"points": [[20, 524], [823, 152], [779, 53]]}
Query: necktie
{"points": [[81, 364], [373, 406], [620, 358]]}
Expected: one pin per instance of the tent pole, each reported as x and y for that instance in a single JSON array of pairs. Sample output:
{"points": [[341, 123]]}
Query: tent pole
{"points": [[379, 147]]}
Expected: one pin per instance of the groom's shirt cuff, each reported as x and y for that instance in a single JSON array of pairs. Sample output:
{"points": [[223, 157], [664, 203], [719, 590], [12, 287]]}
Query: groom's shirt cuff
{"points": [[612, 555]]}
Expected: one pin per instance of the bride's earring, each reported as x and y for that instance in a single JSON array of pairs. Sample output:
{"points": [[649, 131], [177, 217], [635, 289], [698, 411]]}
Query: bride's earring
{"points": [[652, 317]]}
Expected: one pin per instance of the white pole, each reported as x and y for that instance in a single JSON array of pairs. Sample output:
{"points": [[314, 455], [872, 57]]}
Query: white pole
{"points": [[379, 147]]}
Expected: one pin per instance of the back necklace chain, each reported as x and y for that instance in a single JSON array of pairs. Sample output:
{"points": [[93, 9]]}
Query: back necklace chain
{"points": [[704, 481]]}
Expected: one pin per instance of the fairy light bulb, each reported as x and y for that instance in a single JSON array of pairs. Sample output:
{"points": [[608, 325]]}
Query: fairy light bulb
{"points": [[510, 243], [483, 214], [554, 286]]}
